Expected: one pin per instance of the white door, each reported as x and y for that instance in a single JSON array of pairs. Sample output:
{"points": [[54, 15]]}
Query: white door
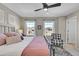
{"points": [[72, 30]]}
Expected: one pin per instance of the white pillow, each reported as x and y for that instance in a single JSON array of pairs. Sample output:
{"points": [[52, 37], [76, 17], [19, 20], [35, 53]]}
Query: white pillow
{"points": [[13, 39]]}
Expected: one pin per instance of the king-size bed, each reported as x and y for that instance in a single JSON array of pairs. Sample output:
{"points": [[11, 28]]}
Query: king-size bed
{"points": [[12, 44]]}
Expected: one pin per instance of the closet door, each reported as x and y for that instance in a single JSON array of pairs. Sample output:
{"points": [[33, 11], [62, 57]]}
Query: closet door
{"points": [[72, 30]]}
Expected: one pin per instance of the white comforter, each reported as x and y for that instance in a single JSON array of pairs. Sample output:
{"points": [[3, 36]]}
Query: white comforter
{"points": [[15, 49]]}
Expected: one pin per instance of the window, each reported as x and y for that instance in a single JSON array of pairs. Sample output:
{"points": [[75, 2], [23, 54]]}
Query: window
{"points": [[30, 27], [49, 28]]}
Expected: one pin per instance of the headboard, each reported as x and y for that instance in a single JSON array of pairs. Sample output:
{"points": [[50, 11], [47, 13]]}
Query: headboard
{"points": [[6, 28]]}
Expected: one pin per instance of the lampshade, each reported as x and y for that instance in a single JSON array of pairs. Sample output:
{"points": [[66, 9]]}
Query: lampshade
{"points": [[20, 31]]}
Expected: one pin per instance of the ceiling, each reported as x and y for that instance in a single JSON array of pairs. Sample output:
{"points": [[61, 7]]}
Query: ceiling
{"points": [[27, 9]]}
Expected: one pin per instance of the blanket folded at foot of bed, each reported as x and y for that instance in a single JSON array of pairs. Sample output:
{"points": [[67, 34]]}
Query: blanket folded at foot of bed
{"points": [[38, 47]]}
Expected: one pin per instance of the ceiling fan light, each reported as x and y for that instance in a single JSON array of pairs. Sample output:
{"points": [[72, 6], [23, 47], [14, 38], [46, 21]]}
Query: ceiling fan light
{"points": [[45, 9]]}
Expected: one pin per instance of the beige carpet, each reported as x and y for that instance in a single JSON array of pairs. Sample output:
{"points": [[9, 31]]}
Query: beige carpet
{"points": [[71, 49]]}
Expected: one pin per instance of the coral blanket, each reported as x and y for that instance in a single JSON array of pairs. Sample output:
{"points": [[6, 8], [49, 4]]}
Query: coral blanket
{"points": [[38, 47]]}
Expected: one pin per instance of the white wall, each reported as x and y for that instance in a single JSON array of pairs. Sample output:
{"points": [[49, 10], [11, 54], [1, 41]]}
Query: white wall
{"points": [[39, 32], [60, 24], [62, 27], [39, 21]]}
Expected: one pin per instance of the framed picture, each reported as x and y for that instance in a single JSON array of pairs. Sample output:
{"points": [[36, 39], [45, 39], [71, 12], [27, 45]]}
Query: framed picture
{"points": [[39, 27]]}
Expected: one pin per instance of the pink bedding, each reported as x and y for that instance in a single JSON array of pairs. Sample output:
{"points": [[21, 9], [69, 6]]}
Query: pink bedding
{"points": [[38, 47]]}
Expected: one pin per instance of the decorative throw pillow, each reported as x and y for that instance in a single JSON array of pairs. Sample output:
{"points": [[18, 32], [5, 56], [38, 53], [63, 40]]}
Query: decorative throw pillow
{"points": [[9, 34], [13, 39], [2, 39]]}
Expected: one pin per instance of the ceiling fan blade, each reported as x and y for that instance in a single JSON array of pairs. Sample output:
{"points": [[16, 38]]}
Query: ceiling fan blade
{"points": [[38, 9], [45, 5], [54, 5]]}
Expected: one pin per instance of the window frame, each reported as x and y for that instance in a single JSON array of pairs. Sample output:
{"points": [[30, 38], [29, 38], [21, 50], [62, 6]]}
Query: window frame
{"points": [[44, 25], [34, 27]]}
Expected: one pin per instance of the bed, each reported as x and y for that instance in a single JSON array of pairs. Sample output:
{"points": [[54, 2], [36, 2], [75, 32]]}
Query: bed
{"points": [[15, 49], [30, 46]]}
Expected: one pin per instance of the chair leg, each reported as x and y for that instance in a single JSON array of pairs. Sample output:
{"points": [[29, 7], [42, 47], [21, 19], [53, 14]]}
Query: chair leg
{"points": [[50, 51], [53, 52]]}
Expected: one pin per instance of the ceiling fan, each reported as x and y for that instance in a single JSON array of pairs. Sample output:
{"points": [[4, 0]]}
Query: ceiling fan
{"points": [[46, 6]]}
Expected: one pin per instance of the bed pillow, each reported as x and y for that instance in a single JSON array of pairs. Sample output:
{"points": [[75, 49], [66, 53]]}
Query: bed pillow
{"points": [[13, 39], [9, 34], [2, 39]]}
